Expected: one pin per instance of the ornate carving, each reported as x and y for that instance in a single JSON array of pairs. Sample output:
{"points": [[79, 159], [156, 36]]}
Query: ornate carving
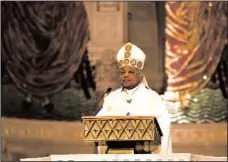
{"points": [[120, 128]]}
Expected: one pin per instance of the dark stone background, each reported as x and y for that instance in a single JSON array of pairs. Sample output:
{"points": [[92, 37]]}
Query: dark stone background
{"points": [[69, 105]]}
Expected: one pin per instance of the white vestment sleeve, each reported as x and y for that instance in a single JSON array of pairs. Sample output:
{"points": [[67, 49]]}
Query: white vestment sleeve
{"points": [[164, 122], [163, 119]]}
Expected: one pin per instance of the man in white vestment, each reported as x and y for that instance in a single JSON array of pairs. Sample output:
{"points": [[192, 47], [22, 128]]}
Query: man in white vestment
{"points": [[135, 98]]}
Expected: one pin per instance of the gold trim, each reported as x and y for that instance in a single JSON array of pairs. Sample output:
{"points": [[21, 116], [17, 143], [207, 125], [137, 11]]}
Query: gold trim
{"points": [[133, 62], [127, 54], [126, 61], [128, 47], [181, 28], [139, 64], [176, 33]]}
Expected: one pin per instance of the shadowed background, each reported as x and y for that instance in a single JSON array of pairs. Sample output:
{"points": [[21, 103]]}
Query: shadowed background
{"points": [[58, 58]]}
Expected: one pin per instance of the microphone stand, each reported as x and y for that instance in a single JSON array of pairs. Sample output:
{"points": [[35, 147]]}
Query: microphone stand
{"points": [[106, 92]]}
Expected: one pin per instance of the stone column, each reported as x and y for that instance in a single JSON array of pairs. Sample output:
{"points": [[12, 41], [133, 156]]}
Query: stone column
{"points": [[108, 32]]}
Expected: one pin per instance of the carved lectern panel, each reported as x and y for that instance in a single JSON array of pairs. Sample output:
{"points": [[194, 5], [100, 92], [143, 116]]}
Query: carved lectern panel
{"points": [[117, 128]]}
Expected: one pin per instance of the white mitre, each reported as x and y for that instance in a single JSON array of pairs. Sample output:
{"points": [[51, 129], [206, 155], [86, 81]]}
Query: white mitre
{"points": [[131, 55]]}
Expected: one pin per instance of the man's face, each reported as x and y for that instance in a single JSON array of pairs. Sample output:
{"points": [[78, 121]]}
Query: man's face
{"points": [[130, 77]]}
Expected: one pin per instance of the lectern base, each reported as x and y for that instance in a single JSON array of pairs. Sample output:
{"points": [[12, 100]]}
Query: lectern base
{"points": [[127, 147]]}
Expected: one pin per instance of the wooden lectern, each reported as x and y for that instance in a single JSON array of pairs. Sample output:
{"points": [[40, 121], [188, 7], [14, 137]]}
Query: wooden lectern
{"points": [[123, 134]]}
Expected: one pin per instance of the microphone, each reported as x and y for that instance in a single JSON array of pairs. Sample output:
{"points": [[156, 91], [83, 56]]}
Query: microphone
{"points": [[109, 90], [106, 92]]}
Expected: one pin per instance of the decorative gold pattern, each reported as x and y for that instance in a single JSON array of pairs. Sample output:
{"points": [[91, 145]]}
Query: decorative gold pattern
{"points": [[126, 61], [120, 128], [128, 47], [133, 62], [127, 54], [139, 64], [192, 50]]}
